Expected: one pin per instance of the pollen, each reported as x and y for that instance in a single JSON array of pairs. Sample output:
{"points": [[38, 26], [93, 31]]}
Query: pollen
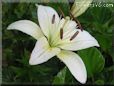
{"points": [[75, 34], [61, 33], [53, 19]]}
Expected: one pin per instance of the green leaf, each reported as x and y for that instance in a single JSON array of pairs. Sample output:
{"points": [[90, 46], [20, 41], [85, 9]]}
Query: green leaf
{"points": [[112, 82], [93, 60], [60, 78], [99, 82], [62, 4], [104, 41]]}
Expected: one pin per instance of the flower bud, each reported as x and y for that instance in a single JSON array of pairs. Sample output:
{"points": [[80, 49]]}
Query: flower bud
{"points": [[80, 6]]}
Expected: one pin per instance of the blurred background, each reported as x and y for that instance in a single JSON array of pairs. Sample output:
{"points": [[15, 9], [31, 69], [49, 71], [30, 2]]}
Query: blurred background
{"points": [[17, 47]]}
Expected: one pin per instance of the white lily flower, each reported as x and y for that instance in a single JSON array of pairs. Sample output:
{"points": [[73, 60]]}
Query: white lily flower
{"points": [[59, 37], [80, 6]]}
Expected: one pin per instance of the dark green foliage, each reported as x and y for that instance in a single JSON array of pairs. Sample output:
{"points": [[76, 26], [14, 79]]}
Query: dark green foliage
{"points": [[17, 48], [93, 59]]}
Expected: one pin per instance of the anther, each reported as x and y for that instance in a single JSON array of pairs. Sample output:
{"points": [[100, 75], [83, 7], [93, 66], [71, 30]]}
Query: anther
{"points": [[61, 12], [79, 25], [61, 33], [75, 34], [53, 19]]}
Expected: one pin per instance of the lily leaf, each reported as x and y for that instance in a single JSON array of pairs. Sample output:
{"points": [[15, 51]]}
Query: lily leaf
{"points": [[93, 60], [61, 4], [101, 82], [60, 78]]}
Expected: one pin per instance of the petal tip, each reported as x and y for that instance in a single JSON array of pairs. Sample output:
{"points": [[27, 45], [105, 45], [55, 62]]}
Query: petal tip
{"points": [[36, 5], [9, 27], [82, 80], [31, 62], [97, 44]]}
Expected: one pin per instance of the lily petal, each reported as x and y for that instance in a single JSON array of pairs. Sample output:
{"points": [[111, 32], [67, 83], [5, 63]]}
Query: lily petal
{"points": [[80, 6], [48, 19], [83, 40], [75, 65], [27, 27], [42, 52]]}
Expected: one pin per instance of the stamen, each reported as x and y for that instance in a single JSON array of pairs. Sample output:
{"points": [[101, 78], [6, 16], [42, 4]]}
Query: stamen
{"points": [[53, 19], [61, 33], [75, 34], [79, 25], [61, 12]]}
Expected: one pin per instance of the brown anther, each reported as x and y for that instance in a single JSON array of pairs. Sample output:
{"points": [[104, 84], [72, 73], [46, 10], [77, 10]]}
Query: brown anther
{"points": [[53, 19], [75, 34], [61, 12], [79, 25], [61, 33]]}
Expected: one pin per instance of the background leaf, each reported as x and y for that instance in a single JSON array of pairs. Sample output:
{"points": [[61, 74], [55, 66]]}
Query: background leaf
{"points": [[93, 60], [62, 4], [60, 78]]}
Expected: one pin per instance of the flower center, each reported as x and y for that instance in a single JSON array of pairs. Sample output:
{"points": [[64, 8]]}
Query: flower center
{"points": [[64, 33], [62, 36]]}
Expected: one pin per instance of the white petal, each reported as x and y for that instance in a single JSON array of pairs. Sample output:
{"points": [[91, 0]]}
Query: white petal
{"points": [[80, 6], [45, 17], [82, 41], [69, 29], [67, 24], [27, 27], [75, 65], [42, 52]]}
